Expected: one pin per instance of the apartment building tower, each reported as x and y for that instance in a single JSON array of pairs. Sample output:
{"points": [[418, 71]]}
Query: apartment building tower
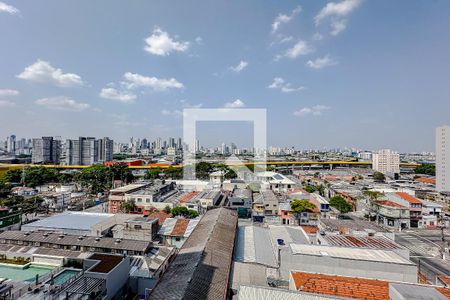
{"points": [[386, 161], [46, 150], [443, 158]]}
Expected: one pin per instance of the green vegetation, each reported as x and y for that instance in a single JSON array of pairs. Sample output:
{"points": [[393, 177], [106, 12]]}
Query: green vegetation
{"points": [[340, 204], [128, 206], [183, 211], [98, 178], [315, 188], [167, 209], [379, 177], [299, 206], [427, 169], [33, 176]]}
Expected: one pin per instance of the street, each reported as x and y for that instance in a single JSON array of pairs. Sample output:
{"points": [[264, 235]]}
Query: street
{"points": [[425, 250]]}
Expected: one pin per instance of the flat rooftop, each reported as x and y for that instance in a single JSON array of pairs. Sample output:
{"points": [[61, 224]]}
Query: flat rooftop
{"points": [[374, 255], [68, 220]]}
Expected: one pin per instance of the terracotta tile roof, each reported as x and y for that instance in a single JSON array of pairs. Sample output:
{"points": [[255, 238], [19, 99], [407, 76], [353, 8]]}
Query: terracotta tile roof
{"points": [[426, 180], [409, 198], [444, 291], [390, 203], [310, 229], [444, 279], [160, 215], [180, 227], [340, 286], [186, 197]]}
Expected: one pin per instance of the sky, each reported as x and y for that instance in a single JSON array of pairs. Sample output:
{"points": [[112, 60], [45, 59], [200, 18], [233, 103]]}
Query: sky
{"points": [[343, 73]]}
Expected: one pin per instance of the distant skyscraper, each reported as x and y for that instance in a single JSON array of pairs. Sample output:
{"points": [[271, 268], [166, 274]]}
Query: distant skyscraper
{"points": [[179, 144], [88, 151], [386, 161], [46, 150], [105, 149], [11, 146], [443, 158]]}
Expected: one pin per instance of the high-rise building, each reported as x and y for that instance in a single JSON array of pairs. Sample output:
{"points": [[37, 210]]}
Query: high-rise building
{"points": [[105, 149], [88, 151], [386, 161], [443, 158], [11, 144], [46, 150]]}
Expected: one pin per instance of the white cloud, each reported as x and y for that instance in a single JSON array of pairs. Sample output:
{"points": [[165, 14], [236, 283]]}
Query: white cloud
{"points": [[160, 43], [113, 94], [235, 104], [241, 66], [8, 92], [283, 19], [300, 48], [7, 103], [8, 9], [286, 39], [322, 62], [285, 87], [62, 103], [134, 80], [337, 26], [317, 36], [199, 40], [315, 110], [43, 72], [340, 9], [337, 11]]}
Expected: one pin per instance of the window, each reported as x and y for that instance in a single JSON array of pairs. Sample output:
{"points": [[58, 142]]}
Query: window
{"points": [[177, 239]]}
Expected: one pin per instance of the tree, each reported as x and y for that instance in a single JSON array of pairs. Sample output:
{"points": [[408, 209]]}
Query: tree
{"points": [[203, 169], [340, 204], [97, 178], [184, 212], [120, 171], [128, 206], [379, 177], [192, 214], [180, 211], [310, 188], [167, 209], [173, 173], [299, 206], [427, 169], [153, 173]]}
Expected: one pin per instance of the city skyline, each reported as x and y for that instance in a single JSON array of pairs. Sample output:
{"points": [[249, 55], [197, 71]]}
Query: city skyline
{"points": [[329, 76]]}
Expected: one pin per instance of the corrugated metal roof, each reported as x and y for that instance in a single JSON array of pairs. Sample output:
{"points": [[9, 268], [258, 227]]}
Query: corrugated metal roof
{"points": [[376, 242], [350, 253], [258, 292], [178, 227], [202, 267], [254, 246]]}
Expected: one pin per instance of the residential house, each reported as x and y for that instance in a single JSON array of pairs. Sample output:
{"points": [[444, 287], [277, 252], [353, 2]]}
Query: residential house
{"points": [[392, 214], [412, 203]]}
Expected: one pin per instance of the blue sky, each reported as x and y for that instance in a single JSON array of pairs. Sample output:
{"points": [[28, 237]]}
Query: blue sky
{"points": [[357, 73]]}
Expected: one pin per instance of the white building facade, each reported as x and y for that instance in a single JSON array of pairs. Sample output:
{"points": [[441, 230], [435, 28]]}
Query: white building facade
{"points": [[443, 158], [386, 161]]}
